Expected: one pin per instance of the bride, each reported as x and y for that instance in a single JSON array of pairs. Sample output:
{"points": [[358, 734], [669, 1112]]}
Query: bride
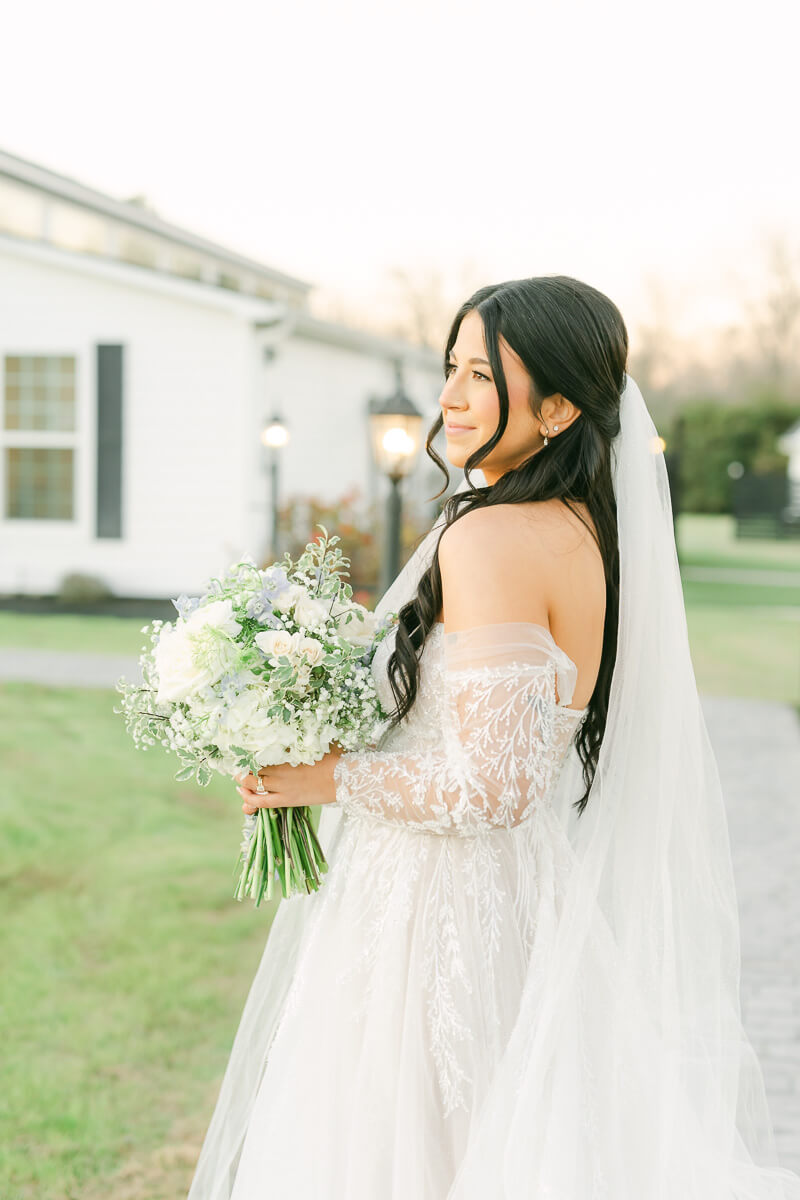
{"points": [[520, 976]]}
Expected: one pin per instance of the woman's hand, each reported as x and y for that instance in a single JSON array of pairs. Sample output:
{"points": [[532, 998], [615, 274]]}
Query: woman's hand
{"points": [[291, 787]]}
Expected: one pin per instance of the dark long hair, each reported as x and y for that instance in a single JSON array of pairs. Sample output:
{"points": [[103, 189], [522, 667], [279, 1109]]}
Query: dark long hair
{"points": [[571, 339]]}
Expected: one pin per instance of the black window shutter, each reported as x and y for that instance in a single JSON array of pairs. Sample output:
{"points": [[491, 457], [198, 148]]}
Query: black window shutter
{"points": [[109, 441]]}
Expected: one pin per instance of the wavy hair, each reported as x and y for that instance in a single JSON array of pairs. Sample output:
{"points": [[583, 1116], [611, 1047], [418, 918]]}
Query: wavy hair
{"points": [[571, 339]]}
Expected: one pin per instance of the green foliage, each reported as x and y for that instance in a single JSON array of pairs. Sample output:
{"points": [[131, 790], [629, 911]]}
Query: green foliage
{"points": [[360, 529], [83, 589], [708, 435]]}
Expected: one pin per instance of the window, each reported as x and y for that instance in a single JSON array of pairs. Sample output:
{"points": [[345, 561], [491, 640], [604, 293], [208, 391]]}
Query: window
{"points": [[40, 392], [21, 210], [39, 483], [39, 432], [77, 229]]}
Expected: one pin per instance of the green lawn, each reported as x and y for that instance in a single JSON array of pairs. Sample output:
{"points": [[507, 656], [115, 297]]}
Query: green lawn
{"points": [[125, 960], [60, 631], [709, 540]]}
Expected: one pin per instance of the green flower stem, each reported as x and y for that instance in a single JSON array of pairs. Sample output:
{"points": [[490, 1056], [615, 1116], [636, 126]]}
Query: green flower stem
{"points": [[305, 868], [270, 855], [316, 847], [283, 843], [282, 864], [246, 860], [306, 851], [259, 859]]}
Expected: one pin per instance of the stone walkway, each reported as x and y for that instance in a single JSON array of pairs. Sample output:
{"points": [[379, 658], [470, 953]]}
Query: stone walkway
{"points": [[61, 668], [757, 744]]}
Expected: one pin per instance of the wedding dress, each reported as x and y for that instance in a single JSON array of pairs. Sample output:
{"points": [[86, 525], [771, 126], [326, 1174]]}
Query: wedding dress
{"points": [[489, 997]]}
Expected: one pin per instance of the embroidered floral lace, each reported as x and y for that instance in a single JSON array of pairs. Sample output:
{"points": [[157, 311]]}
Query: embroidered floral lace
{"points": [[491, 753]]}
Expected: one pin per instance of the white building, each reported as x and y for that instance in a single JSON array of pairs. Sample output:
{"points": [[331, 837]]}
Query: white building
{"points": [[138, 366]]}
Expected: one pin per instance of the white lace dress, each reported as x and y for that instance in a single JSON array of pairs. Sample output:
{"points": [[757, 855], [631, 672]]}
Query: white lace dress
{"points": [[384, 1000]]}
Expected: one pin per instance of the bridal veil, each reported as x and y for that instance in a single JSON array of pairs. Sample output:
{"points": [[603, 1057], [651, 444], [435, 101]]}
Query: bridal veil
{"points": [[628, 1074]]}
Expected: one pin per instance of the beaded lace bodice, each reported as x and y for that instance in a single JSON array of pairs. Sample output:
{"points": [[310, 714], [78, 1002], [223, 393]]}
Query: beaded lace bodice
{"points": [[482, 745]]}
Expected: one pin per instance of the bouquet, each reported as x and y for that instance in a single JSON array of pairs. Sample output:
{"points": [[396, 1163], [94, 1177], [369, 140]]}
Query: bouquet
{"points": [[267, 666]]}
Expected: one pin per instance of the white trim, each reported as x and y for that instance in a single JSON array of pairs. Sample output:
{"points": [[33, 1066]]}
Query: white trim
{"points": [[250, 308], [315, 329], [44, 180]]}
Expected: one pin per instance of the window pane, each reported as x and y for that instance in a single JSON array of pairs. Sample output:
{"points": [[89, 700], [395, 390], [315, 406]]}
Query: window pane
{"points": [[21, 210], [39, 483], [138, 248], [76, 229], [39, 393]]}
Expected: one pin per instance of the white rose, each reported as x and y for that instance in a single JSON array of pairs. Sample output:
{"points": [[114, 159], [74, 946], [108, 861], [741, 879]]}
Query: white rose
{"points": [[360, 629], [284, 600], [275, 642], [311, 650], [219, 614], [188, 656], [310, 612]]}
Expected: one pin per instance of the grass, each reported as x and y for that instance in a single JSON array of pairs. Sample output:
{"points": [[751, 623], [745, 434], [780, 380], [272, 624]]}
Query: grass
{"points": [[709, 540], [62, 631], [742, 651], [126, 961]]}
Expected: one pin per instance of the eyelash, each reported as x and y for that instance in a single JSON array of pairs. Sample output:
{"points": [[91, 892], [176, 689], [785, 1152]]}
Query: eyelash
{"points": [[451, 367]]}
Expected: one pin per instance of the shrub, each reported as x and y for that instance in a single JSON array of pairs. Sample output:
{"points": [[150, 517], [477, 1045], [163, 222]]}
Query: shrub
{"points": [[706, 435], [82, 589]]}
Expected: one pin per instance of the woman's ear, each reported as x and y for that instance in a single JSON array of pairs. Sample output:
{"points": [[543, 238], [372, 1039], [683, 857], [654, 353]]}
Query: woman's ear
{"points": [[558, 410]]}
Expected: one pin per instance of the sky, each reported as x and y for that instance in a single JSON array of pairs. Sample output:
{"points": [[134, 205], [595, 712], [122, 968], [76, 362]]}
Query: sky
{"points": [[647, 149]]}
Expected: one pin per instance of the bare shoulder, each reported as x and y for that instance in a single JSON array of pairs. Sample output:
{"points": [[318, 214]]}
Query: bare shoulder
{"points": [[542, 526], [489, 562], [534, 562]]}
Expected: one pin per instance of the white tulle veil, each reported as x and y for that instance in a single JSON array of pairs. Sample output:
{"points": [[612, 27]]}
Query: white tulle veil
{"points": [[643, 969]]}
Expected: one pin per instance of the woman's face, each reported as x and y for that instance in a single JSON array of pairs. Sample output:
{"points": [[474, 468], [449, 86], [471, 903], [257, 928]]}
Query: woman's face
{"points": [[471, 406]]}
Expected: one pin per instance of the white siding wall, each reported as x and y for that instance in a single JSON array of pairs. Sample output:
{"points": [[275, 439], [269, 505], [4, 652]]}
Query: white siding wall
{"points": [[188, 384], [322, 392]]}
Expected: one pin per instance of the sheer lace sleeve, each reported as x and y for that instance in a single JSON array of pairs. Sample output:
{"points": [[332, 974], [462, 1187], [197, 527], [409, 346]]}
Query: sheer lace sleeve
{"points": [[500, 737]]}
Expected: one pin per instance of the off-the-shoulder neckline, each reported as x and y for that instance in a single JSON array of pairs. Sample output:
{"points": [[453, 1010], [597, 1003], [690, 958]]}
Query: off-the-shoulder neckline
{"points": [[565, 707]]}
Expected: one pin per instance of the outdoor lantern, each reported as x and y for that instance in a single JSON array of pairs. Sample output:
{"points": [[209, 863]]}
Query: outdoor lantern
{"points": [[274, 435], [396, 433]]}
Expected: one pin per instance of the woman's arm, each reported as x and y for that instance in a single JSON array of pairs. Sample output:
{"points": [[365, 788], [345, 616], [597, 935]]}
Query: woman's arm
{"points": [[498, 699], [491, 766]]}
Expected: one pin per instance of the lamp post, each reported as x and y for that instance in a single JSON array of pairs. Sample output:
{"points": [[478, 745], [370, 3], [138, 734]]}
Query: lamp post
{"points": [[274, 435], [395, 430]]}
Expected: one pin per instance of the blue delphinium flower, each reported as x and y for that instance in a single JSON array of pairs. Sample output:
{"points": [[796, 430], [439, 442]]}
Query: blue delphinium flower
{"points": [[260, 608], [261, 605], [186, 605]]}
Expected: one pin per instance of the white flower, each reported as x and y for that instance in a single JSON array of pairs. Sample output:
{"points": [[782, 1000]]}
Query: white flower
{"points": [[191, 655], [289, 596], [311, 650], [243, 711], [311, 613], [276, 642], [219, 614], [360, 629]]}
